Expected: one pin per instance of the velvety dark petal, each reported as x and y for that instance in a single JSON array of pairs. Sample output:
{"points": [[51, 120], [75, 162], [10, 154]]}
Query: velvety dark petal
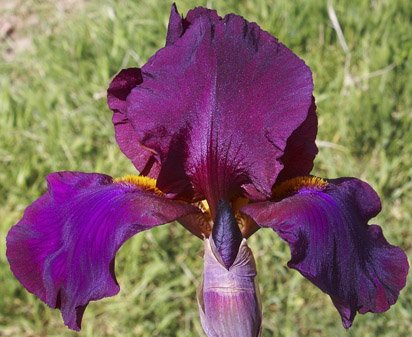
{"points": [[300, 148], [63, 248], [219, 103], [142, 158], [333, 246]]}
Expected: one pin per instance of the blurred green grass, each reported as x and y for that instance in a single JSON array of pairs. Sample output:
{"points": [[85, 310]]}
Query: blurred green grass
{"points": [[53, 116]]}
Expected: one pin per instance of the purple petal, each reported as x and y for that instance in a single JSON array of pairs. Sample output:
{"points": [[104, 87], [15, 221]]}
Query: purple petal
{"points": [[217, 106], [176, 26], [300, 148], [63, 248], [228, 299], [142, 158], [333, 246]]}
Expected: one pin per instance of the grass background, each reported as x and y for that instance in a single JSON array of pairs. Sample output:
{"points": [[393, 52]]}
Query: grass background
{"points": [[56, 63]]}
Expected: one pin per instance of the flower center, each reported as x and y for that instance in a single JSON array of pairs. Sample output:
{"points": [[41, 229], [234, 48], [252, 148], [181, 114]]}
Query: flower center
{"points": [[245, 223], [142, 182]]}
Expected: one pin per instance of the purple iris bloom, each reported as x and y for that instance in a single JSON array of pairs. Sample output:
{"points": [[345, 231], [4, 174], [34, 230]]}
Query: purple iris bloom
{"points": [[221, 124]]}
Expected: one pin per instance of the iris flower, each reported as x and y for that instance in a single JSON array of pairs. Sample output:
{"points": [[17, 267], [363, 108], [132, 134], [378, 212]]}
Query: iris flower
{"points": [[221, 124]]}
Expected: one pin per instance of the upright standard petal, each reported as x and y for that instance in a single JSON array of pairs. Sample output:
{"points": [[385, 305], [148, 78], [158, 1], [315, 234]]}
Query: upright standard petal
{"points": [[301, 148], [325, 225], [176, 26], [142, 158], [63, 248], [217, 106]]}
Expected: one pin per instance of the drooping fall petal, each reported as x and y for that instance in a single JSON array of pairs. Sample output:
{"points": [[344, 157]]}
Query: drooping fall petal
{"points": [[217, 106], [63, 248], [332, 245]]}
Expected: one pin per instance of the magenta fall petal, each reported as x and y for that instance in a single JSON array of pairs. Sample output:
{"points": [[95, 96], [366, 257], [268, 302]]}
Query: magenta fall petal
{"points": [[63, 248], [333, 246]]}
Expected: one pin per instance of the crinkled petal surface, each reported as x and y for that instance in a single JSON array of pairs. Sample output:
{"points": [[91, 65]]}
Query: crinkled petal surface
{"points": [[217, 106], [63, 248], [333, 246]]}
